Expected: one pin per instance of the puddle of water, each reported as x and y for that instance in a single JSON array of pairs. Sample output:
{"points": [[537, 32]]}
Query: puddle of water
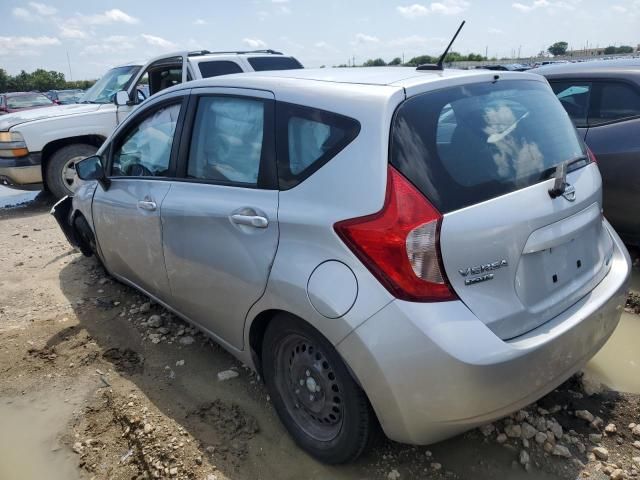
{"points": [[29, 443], [10, 197], [617, 364]]}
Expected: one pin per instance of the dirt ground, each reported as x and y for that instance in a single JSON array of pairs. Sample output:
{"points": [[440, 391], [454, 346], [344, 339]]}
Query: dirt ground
{"points": [[95, 382]]}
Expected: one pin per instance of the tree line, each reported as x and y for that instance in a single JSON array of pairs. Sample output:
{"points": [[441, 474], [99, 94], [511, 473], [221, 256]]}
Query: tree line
{"points": [[39, 80], [422, 59], [560, 48]]}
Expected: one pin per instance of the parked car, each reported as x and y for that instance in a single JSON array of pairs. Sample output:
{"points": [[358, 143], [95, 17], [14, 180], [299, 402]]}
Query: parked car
{"points": [[603, 100], [51, 141], [509, 67], [319, 227], [65, 97], [19, 101]]}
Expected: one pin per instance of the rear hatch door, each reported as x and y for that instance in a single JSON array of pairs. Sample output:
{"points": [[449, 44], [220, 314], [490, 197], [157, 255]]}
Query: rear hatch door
{"points": [[486, 155]]}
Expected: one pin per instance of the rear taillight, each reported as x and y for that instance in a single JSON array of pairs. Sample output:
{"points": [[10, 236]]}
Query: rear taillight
{"points": [[400, 243], [591, 156]]}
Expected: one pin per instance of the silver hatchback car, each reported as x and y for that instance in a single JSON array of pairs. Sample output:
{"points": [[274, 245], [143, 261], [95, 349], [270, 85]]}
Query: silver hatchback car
{"points": [[422, 250]]}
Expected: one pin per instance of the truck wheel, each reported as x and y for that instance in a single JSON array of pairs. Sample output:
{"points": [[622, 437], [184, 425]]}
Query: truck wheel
{"points": [[319, 403], [61, 168]]}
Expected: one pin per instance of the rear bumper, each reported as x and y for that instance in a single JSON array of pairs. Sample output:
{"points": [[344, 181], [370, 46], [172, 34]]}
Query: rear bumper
{"points": [[434, 370], [24, 173], [61, 211]]}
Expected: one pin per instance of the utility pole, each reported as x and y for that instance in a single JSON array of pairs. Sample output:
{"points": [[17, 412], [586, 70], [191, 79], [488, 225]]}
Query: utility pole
{"points": [[69, 63], [519, 49], [486, 52], [354, 61]]}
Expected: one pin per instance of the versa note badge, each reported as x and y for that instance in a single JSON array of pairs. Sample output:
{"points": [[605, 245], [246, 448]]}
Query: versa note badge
{"points": [[481, 270]]}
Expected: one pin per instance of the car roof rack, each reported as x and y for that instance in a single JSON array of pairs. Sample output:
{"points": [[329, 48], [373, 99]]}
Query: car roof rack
{"points": [[198, 53]]}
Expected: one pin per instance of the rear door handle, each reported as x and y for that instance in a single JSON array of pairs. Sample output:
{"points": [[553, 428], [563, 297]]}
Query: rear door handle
{"points": [[255, 221], [147, 205]]}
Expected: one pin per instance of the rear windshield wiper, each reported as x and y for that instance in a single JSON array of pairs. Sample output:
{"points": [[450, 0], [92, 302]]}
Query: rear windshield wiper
{"points": [[560, 184]]}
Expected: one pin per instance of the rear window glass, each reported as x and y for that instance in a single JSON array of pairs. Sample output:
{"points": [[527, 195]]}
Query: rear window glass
{"points": [[464, 145], [307, 139], [260, 64], [217, 68]]}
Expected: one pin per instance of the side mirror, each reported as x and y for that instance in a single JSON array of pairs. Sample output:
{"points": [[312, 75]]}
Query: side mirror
{"points": [[91, 169], [122, 98]]}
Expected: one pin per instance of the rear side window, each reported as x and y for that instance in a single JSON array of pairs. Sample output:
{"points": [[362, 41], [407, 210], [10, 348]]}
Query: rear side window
{"points": [[574, 97], [615, 101], [308, 138], [260, 64], [217, 68], [464, 145]]}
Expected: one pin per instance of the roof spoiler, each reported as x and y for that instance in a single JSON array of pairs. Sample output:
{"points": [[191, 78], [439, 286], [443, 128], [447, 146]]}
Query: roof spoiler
{"points": [[440, 64]]}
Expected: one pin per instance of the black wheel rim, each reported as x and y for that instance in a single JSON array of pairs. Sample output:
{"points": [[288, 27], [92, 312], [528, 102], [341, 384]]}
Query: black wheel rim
{"points": [[309, 387]]}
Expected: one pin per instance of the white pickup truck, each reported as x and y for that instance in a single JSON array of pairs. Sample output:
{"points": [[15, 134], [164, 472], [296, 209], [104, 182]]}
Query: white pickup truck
{"points": [[39, 148]]}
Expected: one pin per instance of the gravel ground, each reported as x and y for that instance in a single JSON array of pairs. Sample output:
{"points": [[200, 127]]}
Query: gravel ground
{"points": [[154, 398]]}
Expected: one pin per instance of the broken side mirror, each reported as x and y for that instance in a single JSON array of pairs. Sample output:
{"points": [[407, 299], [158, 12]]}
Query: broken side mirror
{"points": [[91, 168]]}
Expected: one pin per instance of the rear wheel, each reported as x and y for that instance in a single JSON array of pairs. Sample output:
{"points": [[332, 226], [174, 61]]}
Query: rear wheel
{"points": [[320, 404], [61, 168]]}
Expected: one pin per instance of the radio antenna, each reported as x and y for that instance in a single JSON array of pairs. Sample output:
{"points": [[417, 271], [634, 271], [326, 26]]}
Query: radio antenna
{"points": [[440, 64]]}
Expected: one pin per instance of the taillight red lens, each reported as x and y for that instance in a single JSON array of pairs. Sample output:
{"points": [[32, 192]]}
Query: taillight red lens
{"points": [[400, 243]]}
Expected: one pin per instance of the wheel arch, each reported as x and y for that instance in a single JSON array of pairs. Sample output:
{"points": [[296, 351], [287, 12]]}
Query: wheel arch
{"points": [[50, 148]]}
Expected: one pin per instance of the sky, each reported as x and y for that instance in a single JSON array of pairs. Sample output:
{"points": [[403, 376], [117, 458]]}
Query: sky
{"points": [[97, 35]]}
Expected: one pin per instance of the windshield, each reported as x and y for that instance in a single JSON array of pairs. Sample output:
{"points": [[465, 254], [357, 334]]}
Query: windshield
{"points": [[113, 81], [464, 145], [28, 100]]}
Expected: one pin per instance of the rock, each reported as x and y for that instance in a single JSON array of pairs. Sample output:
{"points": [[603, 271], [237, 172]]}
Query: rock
{"points": [[561, 451], [590, 384], [501, 438], [636, 431], [541, 424], [78, 448], [525, 443], [524, 457], [173, 471], [148, 428], [155, 321], [595, 438], [597, 423], [436, 466], [551, 438], [155, 338], [211, 476], [585, 415], [541, 437], [393, 474], [617, 474], [513, 431], [601, 453], [556, 429], [636, 461], [580, 446], [145, 307], [487, 429], [227, 375], [548, 447], [521, 416], [632, 426], [611, 428], [636, 444], [180, 363], [163, 330], [188, 340], [528, 431]]}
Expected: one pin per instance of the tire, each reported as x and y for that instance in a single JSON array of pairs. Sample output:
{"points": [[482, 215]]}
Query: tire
{"points": [[58, 185], [335, 423]]}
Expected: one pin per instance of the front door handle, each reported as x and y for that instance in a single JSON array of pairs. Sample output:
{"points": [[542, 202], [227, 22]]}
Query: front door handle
{"points": [[256, 221], [147, 205]]}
